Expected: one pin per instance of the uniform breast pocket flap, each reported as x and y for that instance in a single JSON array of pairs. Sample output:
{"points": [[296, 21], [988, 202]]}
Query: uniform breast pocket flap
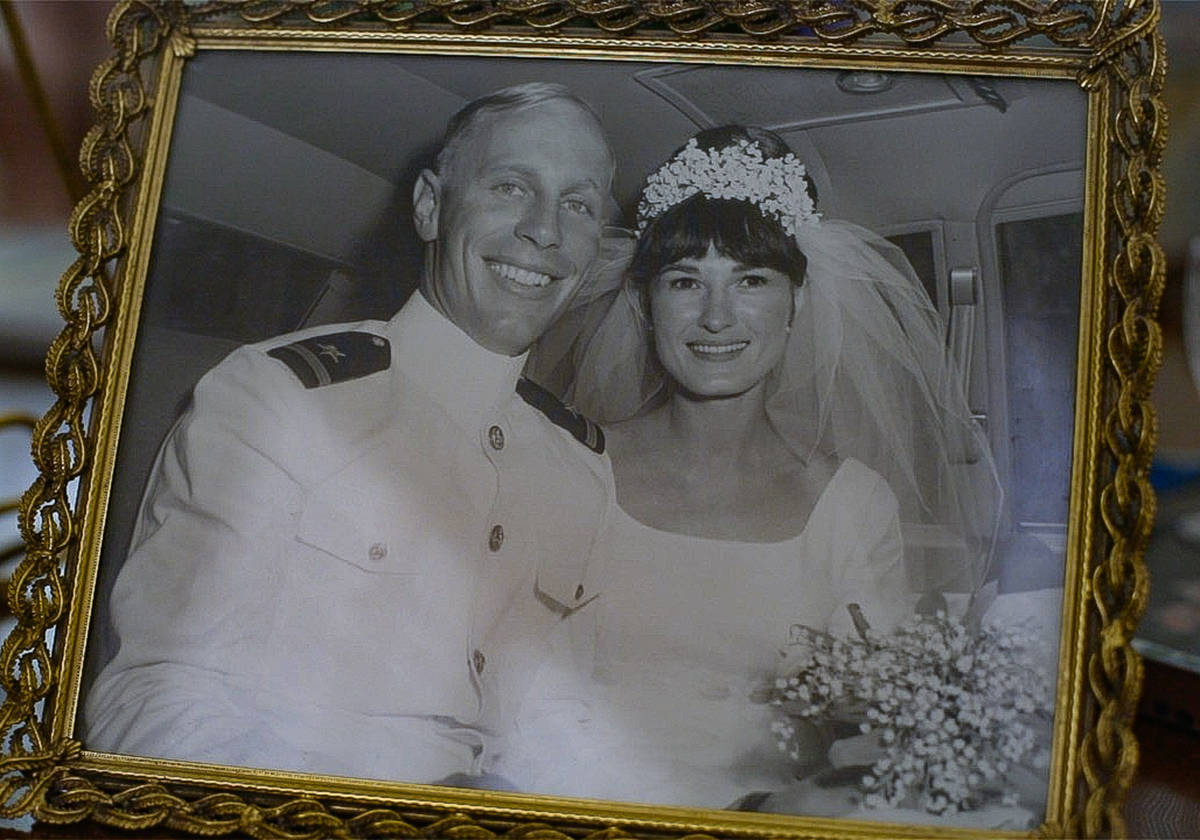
{"points": [[565, 582], [377, 535]]}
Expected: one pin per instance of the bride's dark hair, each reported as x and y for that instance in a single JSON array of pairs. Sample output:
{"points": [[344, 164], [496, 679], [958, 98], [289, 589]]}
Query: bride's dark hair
{"points": [[735, 227]]}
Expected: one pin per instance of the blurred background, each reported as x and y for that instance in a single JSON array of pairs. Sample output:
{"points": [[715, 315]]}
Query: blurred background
{"points": [[42, 123]]}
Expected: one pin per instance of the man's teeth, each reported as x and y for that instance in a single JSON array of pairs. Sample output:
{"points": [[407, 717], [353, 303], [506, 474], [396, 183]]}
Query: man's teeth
{"points": [[520, 275], [719, 349]]}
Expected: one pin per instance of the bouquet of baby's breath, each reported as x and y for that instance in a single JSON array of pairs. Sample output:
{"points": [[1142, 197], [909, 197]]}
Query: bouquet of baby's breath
{"points": [[956, 709]]}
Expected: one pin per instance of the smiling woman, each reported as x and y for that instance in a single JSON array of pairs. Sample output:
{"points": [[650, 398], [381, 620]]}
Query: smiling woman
{"points": [[720, 325], [746, 477]]}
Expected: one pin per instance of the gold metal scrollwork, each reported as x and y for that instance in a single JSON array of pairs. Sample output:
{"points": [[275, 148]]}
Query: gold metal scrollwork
{"points": [[1119, 583], [40, 777], [48, 524], [990, 23]]}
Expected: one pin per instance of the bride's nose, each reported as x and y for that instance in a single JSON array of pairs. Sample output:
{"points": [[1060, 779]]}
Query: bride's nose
{"points": [[718, 310]]}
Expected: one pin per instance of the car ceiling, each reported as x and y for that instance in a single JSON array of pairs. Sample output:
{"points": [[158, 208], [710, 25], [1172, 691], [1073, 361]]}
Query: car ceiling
{"points": [[308, 148]]}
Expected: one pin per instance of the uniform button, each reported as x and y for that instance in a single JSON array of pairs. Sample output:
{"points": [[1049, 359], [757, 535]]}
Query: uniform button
{"points": [[377, 552], [496, 437], [578, 592], [478, 660], [496, 538]]}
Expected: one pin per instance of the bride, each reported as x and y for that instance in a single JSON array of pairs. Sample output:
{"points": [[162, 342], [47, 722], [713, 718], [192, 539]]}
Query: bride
{"points": [[781, 423]]}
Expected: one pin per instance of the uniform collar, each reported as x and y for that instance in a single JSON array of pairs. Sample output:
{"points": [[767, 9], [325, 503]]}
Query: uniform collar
{"points": [[467, 380]]}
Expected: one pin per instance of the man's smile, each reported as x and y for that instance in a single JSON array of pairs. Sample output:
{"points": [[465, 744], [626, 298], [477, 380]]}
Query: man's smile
{"points": [[520, 276]]}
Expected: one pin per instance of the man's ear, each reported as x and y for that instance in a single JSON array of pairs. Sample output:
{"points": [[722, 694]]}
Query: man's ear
{"points": [[427, 201]]}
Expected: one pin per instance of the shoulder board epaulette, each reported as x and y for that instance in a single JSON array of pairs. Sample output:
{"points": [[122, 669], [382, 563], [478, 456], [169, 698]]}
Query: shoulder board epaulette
{"points": [[336, 357], [582, 429]]}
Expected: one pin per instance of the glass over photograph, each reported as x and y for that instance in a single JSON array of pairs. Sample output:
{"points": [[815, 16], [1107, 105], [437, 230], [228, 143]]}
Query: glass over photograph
{"points": [[604, 430]]}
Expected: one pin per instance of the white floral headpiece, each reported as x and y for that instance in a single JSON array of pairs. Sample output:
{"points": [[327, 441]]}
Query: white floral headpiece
{"points": [[740, 171]]}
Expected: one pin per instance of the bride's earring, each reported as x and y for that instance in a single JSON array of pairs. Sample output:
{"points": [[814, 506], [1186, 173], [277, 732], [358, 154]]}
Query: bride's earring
{"points": [[797, 302], [644, 310]]}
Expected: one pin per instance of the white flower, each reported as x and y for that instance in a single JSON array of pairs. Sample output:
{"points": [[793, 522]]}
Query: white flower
{"points": [[950, 707], [777, 187]]}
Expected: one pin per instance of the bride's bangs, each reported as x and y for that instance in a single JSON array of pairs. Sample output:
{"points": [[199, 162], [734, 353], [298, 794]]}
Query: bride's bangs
{"points": [[736, 228]]}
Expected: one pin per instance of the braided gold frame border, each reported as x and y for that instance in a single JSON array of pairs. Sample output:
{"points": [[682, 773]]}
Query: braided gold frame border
{"points": [[42, 772]]}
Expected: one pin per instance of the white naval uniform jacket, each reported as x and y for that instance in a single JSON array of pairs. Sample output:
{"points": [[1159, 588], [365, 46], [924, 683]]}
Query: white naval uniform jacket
{"points": [[351, 572]]}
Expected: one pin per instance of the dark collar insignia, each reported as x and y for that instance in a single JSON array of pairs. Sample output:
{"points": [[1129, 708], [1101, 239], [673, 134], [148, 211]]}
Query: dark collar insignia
{"points": [[582, 429], [336, 357]]}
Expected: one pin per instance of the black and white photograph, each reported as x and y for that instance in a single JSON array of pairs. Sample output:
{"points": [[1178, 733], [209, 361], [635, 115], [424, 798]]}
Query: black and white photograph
{"points": [[683, 434]]}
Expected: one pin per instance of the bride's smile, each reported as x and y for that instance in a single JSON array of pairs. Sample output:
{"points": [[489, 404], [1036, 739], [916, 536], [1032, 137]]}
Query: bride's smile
{"points": [[717, 352]]}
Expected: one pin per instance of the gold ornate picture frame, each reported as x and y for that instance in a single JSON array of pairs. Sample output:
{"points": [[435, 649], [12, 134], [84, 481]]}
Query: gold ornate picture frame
{"points": [[192, 108]]}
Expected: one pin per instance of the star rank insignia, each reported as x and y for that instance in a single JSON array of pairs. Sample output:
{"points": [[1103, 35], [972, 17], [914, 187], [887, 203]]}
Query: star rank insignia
{"points": [[336, 357], [331, 351]]}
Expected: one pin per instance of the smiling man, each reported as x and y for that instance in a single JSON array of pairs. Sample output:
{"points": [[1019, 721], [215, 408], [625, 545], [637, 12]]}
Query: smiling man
{"points": [[357, 544]]}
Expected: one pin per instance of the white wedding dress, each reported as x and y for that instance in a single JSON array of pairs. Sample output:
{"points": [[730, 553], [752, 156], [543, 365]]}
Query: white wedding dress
{"points": [[660, 697]]}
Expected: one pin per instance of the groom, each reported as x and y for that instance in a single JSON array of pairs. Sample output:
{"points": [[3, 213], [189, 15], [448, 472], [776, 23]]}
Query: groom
{"points": [[356, 545]]}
